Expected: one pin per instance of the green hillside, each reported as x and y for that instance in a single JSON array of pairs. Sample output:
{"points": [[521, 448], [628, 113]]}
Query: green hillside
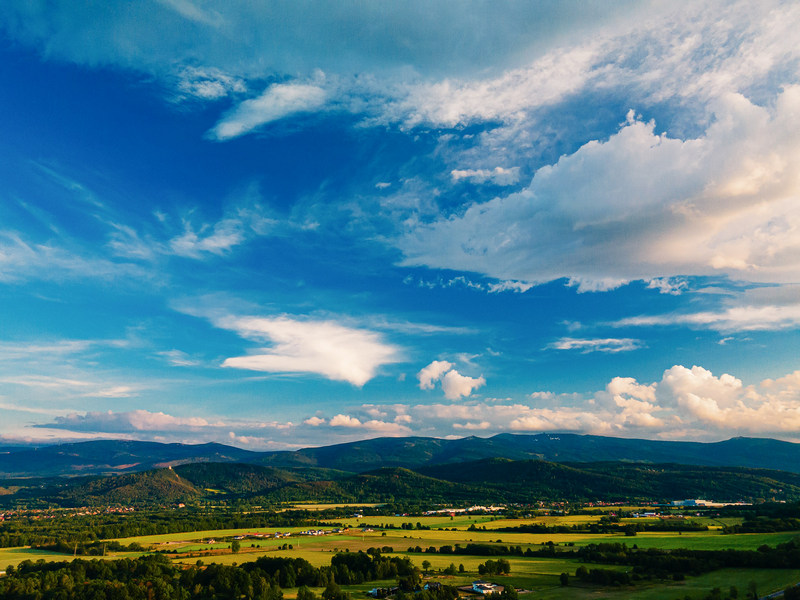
{"points": [[162, 486], [486, 481]]}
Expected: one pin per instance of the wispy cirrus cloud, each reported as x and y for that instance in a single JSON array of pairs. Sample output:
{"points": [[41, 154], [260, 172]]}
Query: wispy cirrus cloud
{"points": [[278, 101], [739, 318], [586, 345], [24, 260], [193, 238]]}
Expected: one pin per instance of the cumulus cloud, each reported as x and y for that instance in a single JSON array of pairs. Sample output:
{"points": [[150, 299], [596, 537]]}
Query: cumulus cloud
{"points": [[684, 402], [454, 384], [473, 426], [325, 348], [314, 421], [429, 375], [341, 420], [652, 206], [373, 425]]}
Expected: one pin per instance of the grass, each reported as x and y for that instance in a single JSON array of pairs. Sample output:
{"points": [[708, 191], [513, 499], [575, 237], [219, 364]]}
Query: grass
{"points": [[700, 540], [206, 534], [14, 556]]}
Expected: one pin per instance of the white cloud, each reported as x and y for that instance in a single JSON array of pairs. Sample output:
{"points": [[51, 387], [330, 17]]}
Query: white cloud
{"points": [[509, 286], [611, 345], [239, 225], [432, 373], [178, 358], [117, 391], [498, 175], [278, 101], [326, 348], [456, 386], [221, 238], [673, 286], [473, 426], [653, 206], [341, 420], [126, 422], [738, 318], [207, 84], [23, 260], [386, 428], [71, 387], [314, 421]]}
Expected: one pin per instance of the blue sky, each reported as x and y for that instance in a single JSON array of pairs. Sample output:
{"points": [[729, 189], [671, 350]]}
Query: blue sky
{"points": [[299, 224]]}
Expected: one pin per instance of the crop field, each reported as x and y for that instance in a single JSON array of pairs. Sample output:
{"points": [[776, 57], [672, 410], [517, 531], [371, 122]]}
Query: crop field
{"points": [[434, 522]]}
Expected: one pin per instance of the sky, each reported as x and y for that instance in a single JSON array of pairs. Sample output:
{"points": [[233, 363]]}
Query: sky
{"points": [[290, 224]]}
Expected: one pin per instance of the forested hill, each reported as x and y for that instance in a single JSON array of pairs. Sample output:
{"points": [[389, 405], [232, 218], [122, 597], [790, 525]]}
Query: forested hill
{"points": [[413, 452], [485, 481], [110, 456]]}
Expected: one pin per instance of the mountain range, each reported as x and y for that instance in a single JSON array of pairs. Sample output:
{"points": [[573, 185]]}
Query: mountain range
{"points": [[107, 457], [485, 481]]}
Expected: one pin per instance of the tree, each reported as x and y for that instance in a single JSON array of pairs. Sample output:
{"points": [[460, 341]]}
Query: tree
{"points": [[426, 564], [752, 590], [334, 592], [510, 592], [304, 593], [236, 546], [564, 578]]}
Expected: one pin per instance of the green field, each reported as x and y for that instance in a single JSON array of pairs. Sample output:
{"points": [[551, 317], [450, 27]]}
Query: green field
{"points": [[541, 575]]}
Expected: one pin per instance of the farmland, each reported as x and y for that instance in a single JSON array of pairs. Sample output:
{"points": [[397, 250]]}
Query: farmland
{"points": [[411, 537]]}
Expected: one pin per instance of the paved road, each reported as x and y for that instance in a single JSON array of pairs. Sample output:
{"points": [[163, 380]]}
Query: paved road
{"points": [[775, 595]]}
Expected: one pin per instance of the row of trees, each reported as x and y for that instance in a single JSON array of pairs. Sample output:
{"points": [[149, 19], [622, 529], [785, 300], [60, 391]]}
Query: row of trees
{"points": [[156, 578], [30, 531]]}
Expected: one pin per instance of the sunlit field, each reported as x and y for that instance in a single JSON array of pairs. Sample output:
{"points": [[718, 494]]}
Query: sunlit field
{"points": [[538, 574]]}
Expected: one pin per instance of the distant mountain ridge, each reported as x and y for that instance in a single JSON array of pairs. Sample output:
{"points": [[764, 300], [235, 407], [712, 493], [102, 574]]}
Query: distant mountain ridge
{"points": [[116, 456]]}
